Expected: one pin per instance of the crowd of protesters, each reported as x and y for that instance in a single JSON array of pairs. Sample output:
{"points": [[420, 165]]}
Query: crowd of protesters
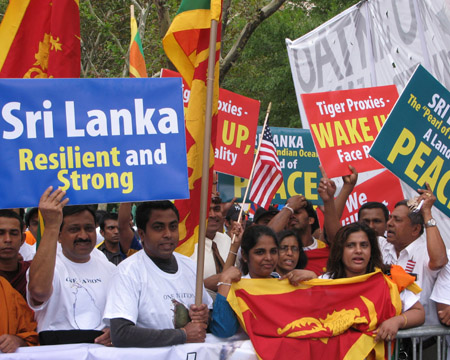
{"points": [[110, 279]]}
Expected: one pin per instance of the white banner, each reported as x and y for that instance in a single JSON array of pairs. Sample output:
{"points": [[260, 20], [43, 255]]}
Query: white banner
{"points": [[374, 43], [213, 348]]}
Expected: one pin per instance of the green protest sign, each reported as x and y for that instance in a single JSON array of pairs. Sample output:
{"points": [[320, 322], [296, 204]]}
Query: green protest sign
{"points": [[414, 142], [299, 163]]}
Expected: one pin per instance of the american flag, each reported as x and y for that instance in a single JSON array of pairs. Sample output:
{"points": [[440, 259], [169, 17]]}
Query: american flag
{"points": [[267, 176], [410, 266]]}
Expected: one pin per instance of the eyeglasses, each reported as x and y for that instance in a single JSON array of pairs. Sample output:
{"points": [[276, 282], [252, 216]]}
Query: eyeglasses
{"points": [[285, 249]]}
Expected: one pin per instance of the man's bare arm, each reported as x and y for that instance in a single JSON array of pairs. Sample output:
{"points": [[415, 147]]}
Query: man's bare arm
{"points": [[435, 245], [43, 266], [281, 220]]}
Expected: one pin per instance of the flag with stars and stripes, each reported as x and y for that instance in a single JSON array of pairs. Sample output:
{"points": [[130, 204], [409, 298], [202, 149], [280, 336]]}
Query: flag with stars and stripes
{"points": [[267, 176]]}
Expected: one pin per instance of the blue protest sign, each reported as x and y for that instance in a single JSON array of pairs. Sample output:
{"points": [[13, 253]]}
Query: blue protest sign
{"points": [[414, 142], [100, 140]]}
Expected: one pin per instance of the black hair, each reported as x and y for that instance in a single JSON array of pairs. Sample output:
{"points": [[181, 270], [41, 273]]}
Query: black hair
{"points": [[99, 214], [374, 205], [335, 265], [302, 258], [144, 211], [312, 214], [107, 216], [250, 238], [30, 213], [8, 213], [415, 217], [75, 209]]}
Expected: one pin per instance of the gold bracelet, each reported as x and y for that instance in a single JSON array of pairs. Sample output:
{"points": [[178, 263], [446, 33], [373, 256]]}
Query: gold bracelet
{"points": [[406, 320]]}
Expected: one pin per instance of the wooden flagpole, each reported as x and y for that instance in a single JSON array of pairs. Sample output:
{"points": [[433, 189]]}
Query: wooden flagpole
{"points": [[205, 168]]}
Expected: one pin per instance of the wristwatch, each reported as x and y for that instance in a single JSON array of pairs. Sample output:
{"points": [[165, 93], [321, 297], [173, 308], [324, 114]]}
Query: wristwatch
{"points": [[430, 223]]}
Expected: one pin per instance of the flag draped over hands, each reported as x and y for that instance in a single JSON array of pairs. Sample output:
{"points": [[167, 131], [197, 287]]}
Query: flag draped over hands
{"points": [[40, 39], [267, 177], [137, 60], [317, 318], [186, 44]]}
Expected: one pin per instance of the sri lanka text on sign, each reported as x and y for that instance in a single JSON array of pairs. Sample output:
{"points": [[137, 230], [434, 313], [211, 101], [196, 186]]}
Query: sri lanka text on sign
{"points": [[100, 140], [414, 143], [299, 163], [345, 123], [236, 129]]}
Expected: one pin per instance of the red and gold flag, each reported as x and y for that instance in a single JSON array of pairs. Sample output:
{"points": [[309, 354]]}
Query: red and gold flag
{"points": [[187, 46], [137, 60], [40, 39], [317, 260], [319, 319]]}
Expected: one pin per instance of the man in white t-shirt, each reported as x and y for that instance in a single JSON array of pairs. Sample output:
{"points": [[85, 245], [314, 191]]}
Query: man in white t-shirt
{"points": [[151, 300], [67, 289]]}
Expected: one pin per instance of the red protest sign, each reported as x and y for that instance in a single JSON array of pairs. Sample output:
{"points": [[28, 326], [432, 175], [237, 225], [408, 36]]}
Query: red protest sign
{"points": [[385, 188], [345, 123], [165, 73], [236, 130]]}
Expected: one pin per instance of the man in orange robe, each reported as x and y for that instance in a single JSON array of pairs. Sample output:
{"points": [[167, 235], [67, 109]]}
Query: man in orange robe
{"points": [[17, 325]]}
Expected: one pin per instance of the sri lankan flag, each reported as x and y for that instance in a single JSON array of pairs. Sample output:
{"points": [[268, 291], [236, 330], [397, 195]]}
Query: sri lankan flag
{"points": [[319, 319], [137, 61], [317, 260], [187, 46], [40, 39]]}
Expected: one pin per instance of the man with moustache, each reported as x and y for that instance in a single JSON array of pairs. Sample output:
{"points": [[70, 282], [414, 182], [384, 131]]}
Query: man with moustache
{"points": [[67, 289], [109, 229], [375, 215], [153, 291], [421, 255]]}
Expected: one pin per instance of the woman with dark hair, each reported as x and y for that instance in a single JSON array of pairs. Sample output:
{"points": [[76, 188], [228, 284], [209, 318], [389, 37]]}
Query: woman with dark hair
{"points": [[259, 250], [291, 256], [355, 252], [339, 266]]}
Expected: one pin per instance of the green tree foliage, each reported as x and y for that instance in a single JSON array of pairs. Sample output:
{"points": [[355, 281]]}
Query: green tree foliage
{"points": [[263, 71], [3, 5]]}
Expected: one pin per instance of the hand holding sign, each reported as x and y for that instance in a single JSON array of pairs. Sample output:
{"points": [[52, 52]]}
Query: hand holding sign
{"points": [[428, 200], [351, 179]]}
